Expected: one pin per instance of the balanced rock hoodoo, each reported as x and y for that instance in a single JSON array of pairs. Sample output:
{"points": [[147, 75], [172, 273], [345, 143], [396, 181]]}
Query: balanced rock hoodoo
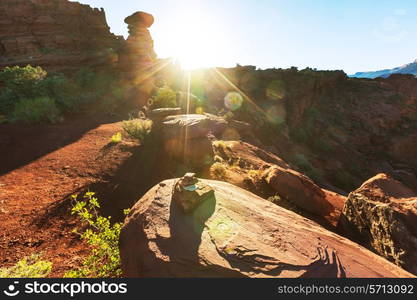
{"points": [[138, 52]]}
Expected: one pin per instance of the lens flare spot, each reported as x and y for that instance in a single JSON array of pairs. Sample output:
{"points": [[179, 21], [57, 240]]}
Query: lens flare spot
{"points": [[231, 134], [199, 110], [276, 90], [233, 101], [277, 114]]}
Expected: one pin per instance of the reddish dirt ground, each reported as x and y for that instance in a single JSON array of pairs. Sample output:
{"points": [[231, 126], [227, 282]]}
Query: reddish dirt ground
{"points": [[40, 167]]}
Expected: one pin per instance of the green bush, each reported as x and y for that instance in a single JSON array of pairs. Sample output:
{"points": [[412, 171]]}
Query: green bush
{"points": [[102, 236], [164, 97], [29, 267], [19, 83], [36, 110], [22, 80], [302, 162], [84, 77], [59, 88], [218, 171], [344, 180], [22, 85], [138, 128]]}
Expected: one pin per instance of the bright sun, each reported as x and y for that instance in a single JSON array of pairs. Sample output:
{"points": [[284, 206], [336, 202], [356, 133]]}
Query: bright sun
{"points": [[195, 42]]}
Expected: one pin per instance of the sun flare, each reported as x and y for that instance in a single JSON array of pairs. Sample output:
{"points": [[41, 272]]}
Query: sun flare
{"points": [[196, 42]]}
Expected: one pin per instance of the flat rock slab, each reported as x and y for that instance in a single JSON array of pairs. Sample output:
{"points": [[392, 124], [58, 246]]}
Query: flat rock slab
{"points": [[236, 234], [192, 126]]}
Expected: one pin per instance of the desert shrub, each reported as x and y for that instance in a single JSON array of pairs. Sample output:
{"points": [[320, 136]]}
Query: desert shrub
{"points": [[218, 171], [302, 162], [315, 174], [305, 166], [321, 145], [344, 180], [59, 88], [19, 83], [299, 135], [69, 94], [284, 203], [22, 80], [164, 97], [116, 138], [138, 128], [36, 110], [84, 77], [29, 267], [255, 175], [7, 101], [102, 236]]}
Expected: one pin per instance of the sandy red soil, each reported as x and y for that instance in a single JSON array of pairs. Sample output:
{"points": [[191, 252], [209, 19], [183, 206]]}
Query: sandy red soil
{"points": [[40, 167]]}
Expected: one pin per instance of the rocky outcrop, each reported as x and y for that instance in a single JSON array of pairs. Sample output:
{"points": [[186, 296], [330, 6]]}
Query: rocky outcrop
{"points": [[193, 126], [186, 137], [300, 190], [382, 215], [57, 35], [267, 175], [234, 233], [345, 128]]}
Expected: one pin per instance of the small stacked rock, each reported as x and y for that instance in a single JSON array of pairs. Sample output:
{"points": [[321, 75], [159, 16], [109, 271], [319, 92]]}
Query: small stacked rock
{"points": [[189, 192]]}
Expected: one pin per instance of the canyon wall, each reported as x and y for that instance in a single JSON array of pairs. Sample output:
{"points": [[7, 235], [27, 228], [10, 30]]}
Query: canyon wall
{"points": [[56, 34]]}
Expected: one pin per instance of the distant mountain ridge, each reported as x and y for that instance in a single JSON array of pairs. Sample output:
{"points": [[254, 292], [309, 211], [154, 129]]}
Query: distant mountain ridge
{"points": [[405, 69]]}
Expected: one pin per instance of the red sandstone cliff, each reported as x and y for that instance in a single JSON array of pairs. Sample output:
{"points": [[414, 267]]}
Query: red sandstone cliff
{"points": [[55, 34]]}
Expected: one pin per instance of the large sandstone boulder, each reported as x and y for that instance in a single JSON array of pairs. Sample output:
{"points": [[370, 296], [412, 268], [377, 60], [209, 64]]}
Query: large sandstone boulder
{"points": [[185, 137], [233, 233], [382, 215], [303, 192], [158, 115], [267, 175]]}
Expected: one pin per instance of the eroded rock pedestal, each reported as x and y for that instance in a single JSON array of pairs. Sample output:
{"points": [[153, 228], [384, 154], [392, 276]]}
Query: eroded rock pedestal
{"points": [[138, 52], [234, 233], [137, 57]]}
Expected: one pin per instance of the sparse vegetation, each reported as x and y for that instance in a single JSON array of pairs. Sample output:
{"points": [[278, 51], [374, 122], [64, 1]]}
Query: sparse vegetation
{"points": [[302, 162], [138, 128], [218, 171], [344, 180], [116, 138], [305, 165], [280, 201], [36, 110], [164, 97], [29, 267], [255, 175], [102, 236], [29, 88]]}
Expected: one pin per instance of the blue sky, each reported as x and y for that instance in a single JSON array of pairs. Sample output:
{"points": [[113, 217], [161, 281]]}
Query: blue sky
{"points": [[353, 35]]}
